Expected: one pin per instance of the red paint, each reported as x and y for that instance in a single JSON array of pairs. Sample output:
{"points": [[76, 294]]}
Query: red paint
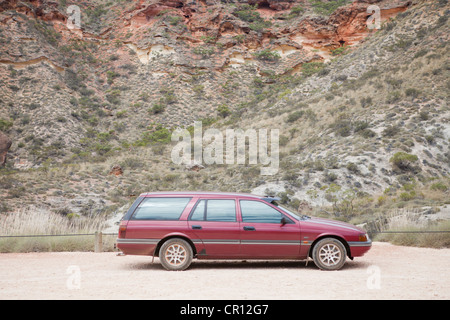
{"points": [[235, 239]]}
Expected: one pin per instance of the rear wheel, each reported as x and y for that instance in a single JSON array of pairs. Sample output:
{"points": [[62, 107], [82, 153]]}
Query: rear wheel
{"points": [[175, 254], [329, 254]]}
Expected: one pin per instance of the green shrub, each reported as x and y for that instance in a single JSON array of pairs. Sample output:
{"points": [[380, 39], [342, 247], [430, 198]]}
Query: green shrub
{"points": [[412, 92], [311, 68], [439, 186], [326, 7], [223, 110], [204, 51], [339, 51], [159, 135], [174, 20], [403, 160], [249, 14], [267, 55], [5, 125], [393, 97], [259, 25], [296, 11], [294, 116], [157, 108]]}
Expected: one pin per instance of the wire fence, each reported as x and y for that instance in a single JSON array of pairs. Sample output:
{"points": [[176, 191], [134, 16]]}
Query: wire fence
{"points": [[98, 240], [60, 235], [115, 234]]}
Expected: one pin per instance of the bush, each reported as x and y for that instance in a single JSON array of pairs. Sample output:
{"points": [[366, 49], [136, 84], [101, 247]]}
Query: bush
{"points": [[393, 97], [157, 108], [296, 11], [294, 116], [223, 111], [159, 135], [439, 186], [5, 125], [412, 92], [403, 160], [391, 131], [204, 51], [326, 7], [249, 14], [311, 68], [267, 55]]}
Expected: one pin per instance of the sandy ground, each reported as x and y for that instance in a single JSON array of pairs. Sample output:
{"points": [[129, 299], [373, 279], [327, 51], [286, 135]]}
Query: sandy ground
{"points": [[385, 272]]}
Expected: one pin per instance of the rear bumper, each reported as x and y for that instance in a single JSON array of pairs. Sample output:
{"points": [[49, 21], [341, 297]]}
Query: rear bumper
{"points": [[137, 246], [358, 249]]}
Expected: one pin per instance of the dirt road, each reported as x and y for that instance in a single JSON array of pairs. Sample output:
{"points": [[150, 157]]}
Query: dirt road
{"points": [[385, 272]]}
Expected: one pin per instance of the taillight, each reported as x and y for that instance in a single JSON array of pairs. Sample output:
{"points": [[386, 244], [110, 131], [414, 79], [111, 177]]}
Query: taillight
{"points": [[122, 229]]}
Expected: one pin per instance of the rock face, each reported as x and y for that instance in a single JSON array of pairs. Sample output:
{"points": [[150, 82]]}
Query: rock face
{"points": [[44, 9], [5, 144]]}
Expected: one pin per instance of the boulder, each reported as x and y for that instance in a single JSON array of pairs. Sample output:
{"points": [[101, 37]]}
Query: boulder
{"points": [[116, 170]]}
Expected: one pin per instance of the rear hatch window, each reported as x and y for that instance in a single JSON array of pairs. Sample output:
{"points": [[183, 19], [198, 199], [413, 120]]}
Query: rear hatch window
{"points": [[160, 209]]}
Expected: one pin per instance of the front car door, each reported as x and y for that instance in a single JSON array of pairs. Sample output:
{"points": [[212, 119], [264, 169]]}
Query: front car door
{"points": [[264, 234]]}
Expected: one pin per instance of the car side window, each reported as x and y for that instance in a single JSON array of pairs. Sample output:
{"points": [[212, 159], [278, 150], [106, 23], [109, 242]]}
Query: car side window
{"points": [[257, 211], [160, 208], [214, 210], [199, 212]]}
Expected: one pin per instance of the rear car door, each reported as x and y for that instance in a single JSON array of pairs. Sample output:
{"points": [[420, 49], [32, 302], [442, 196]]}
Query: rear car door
{"points": [[215, 224], [264, 234]]}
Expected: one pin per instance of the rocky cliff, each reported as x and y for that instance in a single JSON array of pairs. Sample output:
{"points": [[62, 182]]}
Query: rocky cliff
{"points": [[82, 98]]}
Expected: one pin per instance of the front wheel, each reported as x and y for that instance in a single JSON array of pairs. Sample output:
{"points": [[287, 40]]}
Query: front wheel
{"points": [[175, 254], [329, 254]]}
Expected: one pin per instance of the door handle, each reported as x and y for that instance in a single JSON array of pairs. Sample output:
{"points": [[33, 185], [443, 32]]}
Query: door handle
{"points": [[196, 227], [249, 228]]}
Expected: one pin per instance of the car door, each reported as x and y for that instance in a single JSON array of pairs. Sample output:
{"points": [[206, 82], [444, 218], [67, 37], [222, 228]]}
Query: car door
{"points": [[215, 224], [266, 232]]}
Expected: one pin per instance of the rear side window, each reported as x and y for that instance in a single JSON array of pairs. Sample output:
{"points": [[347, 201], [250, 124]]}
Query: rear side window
{"points": [[215, 210], [160, 209]]}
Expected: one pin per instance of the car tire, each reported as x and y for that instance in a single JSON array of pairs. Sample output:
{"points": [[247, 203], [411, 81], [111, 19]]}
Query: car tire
{"points": [[175, 254], [329, 254]]}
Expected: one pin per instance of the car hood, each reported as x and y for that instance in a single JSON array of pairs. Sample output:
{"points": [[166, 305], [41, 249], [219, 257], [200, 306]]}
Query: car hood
{"points": [[333, 223]]}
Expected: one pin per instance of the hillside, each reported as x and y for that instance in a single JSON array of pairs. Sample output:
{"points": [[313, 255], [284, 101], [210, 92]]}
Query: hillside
{"points": [[363, 114]]}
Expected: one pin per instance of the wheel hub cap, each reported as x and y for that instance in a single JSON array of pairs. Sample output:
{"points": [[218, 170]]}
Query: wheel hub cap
{"points": [[330, 254], [175, 254]]}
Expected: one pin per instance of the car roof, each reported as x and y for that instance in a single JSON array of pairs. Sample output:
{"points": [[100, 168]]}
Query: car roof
{"points": [[208, 194]]}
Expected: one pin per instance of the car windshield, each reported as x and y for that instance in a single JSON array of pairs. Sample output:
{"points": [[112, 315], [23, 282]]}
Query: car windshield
{"points": [[294, 215]]}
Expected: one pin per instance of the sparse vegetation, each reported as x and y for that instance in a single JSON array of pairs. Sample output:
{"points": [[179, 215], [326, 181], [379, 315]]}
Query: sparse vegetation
{"points": [[327, 7], [351, 125], [267, 55]]}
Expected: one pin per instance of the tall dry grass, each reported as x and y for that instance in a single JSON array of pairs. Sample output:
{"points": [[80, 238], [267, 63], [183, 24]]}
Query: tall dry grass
{"points": [[50, 231], [406, 228]]}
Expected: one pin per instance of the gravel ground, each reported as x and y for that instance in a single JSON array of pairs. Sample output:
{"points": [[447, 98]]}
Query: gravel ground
{"points": [[385, 272]]}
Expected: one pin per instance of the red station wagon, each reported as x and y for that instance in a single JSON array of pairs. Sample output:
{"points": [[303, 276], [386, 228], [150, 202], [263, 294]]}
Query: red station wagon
{"points": [[180, 226]]}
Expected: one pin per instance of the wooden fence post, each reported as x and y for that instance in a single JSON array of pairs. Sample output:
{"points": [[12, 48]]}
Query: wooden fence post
{"points": [[98, 242]]}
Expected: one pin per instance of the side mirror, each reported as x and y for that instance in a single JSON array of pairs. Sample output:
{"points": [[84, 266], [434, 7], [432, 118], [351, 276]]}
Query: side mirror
{"points": [[283, 221]]}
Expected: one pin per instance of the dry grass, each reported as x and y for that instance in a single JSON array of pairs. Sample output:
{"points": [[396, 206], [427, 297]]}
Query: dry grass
{"points": [[406, 229], [37, 221]]}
